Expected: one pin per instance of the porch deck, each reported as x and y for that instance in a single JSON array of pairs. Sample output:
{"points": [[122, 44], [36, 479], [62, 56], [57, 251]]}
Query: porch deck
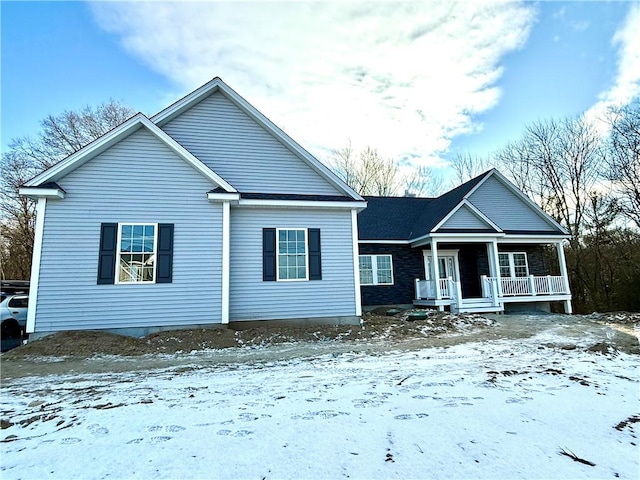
{"points": [[496, 291]]}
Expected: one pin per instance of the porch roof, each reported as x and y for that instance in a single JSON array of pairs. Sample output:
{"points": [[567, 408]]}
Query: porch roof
{"points": [[405, 218], [410, 219]]}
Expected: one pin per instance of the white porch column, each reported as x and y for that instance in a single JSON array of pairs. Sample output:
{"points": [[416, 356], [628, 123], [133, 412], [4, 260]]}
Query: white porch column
{"points": [[565, 275], [436, 268], [226, 260]]}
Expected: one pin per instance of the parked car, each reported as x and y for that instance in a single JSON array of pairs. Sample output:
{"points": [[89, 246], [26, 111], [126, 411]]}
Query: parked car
{"points": [[13, 319]]}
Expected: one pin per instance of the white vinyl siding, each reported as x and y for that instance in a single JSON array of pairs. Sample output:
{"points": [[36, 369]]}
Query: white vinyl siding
{"points": [[167, 190], [376, 270], [506, 209], [464, 218], [513, 264], [242, 152], [251, 298]]}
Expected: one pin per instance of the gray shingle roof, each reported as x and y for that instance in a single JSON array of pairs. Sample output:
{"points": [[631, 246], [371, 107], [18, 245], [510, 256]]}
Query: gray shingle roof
{"points": [[404, 218]]}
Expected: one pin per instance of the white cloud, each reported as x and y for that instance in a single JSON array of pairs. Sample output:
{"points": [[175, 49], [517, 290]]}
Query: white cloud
{"points": [[403, 77], [626, 84]]}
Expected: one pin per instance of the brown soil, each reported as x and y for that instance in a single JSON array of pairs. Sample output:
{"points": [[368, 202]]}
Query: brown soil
{"points": [[378, 326], [85, 344]]}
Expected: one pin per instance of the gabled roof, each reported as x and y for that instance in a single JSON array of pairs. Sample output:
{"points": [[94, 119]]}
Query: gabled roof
{"points": [[441, 206], [411, 218], [517, 192], [217, 85], [114, 136]]}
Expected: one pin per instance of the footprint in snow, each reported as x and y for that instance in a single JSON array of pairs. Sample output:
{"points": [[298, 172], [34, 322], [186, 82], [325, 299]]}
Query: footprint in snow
{"points": [[237, 433], [160, 439], [324, 414], [98, 430], [410, 416], [70, 440], [168, 428]]}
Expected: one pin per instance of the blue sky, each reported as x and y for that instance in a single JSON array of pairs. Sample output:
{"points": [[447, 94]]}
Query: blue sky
{"points": [[418, 80]]}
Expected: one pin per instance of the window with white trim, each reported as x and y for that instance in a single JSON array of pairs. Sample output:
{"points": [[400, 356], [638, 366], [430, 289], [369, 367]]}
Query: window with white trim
{"points": [[292, 259], [137, 243], [513, 264], [376, 270]]}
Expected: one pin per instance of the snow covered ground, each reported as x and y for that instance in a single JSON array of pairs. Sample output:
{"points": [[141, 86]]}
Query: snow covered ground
{"points": [[497, 409]]}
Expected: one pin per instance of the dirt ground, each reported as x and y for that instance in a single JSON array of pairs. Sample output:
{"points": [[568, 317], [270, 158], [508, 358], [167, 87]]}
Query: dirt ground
{"points": [[377, 325]]}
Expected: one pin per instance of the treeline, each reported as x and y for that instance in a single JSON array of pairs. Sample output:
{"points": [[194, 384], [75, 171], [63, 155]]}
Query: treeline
{"points": [[588, 179], [60, 136], [586, 175]]}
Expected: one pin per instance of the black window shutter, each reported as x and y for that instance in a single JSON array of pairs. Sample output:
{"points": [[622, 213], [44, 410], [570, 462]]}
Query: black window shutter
{"points": [[315, 260], [164, 266], [269, 254], [107, 253]]}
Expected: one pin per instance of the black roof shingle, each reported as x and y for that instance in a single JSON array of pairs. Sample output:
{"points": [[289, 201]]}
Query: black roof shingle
{"points": [[404, 218]]}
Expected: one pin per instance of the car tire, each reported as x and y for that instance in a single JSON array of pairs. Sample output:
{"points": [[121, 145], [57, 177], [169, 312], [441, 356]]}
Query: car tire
{"points": [[10, 335], [10, 329]]}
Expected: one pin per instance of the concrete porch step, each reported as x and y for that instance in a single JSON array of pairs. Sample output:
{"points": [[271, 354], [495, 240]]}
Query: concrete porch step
{"points": [[476, 305], [477, 309]]}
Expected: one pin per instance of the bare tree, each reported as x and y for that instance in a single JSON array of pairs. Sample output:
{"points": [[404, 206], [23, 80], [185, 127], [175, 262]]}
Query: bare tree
{"points": [[467, 166], [368, 173], [557, 163], [622, 159], [61, 136], [423, 181]]}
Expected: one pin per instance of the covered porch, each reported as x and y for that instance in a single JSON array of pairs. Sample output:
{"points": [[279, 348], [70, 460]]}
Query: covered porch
{"points": [[505, 271]]}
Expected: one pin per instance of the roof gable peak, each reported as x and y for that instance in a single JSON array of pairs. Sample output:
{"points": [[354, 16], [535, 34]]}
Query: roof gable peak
{"points": [[216, 85], [116, 135]]}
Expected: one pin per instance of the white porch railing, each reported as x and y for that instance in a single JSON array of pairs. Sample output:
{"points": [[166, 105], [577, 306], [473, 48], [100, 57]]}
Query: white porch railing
{"points": [[426, 289], [524, 286]]}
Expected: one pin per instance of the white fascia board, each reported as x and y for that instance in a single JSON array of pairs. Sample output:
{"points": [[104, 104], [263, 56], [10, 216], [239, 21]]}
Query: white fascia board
{"points": [[456, 237], [186, 155], [35, 192], [76, 159], [473, 209], [468, 235], [516, 191], [217, 85], [245, 202], [114, 136], [223, 197], [486, 177], [534, 238], [169, 113], [385, 242]]}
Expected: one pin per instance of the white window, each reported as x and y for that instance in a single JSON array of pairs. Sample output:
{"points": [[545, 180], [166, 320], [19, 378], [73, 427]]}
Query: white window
{"points": [[376, 270], [292, 257], [136, 253], [513, 264]]}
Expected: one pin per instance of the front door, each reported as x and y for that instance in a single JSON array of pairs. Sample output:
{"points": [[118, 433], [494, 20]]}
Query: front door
{"points": [[447, 268]]}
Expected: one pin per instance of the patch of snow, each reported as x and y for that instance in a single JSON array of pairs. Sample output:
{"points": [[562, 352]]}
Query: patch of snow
{"points": [[494, 409]]}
